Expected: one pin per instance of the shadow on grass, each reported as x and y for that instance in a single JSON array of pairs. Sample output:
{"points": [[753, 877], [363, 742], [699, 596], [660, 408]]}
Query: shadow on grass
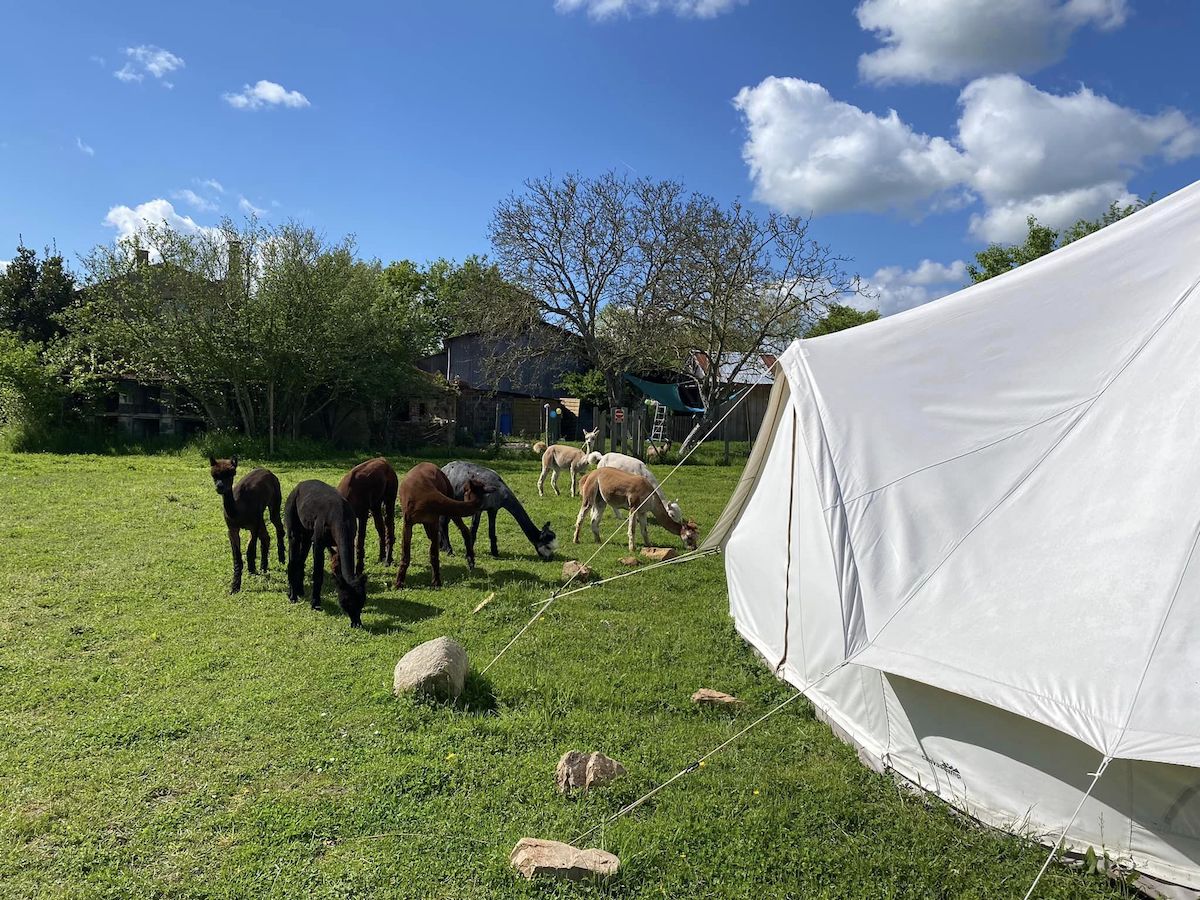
{"points": [[478, 698]]}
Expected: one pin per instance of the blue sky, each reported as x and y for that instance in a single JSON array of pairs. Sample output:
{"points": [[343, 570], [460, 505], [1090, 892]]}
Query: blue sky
{"points": [[914, 130]]}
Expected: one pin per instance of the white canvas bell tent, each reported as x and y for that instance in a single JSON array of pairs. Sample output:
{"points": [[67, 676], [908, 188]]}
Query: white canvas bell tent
{"points": [[969, 533]]}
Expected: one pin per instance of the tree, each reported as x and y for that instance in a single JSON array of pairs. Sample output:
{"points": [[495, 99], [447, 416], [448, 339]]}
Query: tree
{"points": [[264, 328], [31, 394], [33, 293], [838, 318], [741, 285], [579, 253], [996, 259]]}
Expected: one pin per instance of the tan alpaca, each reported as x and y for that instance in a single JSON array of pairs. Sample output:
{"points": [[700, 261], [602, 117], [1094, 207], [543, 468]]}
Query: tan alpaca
{"points": [[613, 487], [559, 457], [589, 438]]}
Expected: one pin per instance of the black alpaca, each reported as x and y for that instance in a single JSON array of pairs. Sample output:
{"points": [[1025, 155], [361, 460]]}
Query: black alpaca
{"points": [[244, 504], [500, 497], [318, 517]]}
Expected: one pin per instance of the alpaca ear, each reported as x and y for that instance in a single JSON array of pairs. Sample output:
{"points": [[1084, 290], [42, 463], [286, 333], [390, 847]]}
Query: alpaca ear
{"points": [[546, 527], [233, 459], [212, 460]]}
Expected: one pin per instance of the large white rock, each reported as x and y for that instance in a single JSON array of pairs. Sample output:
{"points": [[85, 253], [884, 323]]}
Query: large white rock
{"points": [[436, 668], [533, 857]]}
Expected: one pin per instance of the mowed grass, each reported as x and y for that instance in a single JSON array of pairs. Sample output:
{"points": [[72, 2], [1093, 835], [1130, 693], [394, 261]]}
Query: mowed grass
{"points": [[161, 738]]}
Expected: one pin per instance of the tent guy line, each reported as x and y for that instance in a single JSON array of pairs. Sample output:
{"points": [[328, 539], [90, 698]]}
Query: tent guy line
{"points": [[559, 592], [1062, 834]]}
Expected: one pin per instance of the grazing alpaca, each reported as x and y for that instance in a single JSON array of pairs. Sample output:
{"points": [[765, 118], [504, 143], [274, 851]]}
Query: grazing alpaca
{"points": [[653, 453], [613, 487], [244, 504], [589, 438], [370, 488], [426, 496], [318, 517], [558, 457], [635, 466], [500, 497]]}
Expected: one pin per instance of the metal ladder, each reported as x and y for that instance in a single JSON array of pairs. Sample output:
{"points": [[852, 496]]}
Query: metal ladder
{"points": [[659, 427]]}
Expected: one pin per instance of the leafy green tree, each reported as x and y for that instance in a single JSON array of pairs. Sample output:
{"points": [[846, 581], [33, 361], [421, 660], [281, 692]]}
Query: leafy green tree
{"points": [[31, 394], [33, 293], [996, 259], [588, 386], [838, 318]]}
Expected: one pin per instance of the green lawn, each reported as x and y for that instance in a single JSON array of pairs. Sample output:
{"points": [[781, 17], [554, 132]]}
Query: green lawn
{"points": [[161, 738]]}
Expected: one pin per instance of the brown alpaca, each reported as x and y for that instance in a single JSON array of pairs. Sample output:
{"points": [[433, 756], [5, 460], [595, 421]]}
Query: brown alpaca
{"points": [[608, 486], [244, 504], [425, 496], [561, 456], [370, 489], [658, 453]]}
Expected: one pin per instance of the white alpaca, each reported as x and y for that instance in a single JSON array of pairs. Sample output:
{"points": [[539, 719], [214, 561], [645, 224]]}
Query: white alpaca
{"points": [[589, 438], [634, 466], [558, 457], [613, 487]]}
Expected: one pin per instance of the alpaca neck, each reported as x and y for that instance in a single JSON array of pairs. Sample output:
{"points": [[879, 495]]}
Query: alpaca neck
{"points": [[229, 503], [513, 505], [448, 506], [659, 510]]}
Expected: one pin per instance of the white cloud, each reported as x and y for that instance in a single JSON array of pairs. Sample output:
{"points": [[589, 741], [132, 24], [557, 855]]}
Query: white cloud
{"points": [[4, 265], [98, 60], [190, 197], [265, 93], [1019, 150], [608, 9], [84, 148], [897, 289], [213, 185], [952, 40], [130, 221], [249, 208], [148, 60], [808, 152]]}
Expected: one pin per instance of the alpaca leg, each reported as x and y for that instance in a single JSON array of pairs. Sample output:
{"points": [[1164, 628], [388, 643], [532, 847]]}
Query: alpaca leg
{"points": [[574, 475], [475, 520], [278, 522], [235, 545], [633, 517], [389, 520], [298, 547], [542, 480], [597, 516], [405, 553], [583, 511], [642, 517], [318, 575], [377, 516], [492, 533], [554, 482], [468, 542], [252, 550], [444, 535], [264, 543], [434, 562]]}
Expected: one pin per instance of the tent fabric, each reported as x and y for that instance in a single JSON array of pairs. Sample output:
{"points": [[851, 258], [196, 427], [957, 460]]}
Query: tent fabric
{"points": [[991, 504], [666, 394]]}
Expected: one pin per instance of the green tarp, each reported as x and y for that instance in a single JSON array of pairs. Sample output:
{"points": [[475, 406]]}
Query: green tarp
{"points": [[666, 394]]}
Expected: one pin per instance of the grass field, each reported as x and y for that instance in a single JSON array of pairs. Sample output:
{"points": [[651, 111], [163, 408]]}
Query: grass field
{"points": [[163, 739]]}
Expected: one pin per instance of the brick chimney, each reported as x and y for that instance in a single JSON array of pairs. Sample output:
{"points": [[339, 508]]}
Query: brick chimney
{"points": [[142, 256], [235, 262]]}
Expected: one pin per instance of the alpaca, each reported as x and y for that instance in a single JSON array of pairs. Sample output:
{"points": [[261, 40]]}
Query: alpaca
{"points": [[539, 447], [608, 486], [635, 466], [561, 456], [319, 518], [660, 452], [244, 504], [426, 496], [589, 439], [500, 497], [370, 488]]}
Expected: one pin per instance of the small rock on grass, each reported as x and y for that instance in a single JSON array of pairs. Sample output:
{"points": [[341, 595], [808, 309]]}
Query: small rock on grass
{"points": [[573, 568], [630, 561], [709, 697], [436, 668], [534, 857], [583, 771], [658, 554]]}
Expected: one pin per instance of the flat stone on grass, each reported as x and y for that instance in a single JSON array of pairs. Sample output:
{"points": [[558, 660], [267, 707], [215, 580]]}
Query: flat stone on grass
{"points": [[573, 568], [709, 697], [583, 771], [534, 858], [658, 554]]}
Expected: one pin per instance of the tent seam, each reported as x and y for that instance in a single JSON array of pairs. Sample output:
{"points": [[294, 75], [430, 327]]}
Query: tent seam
{"points": [[1050, 450]]}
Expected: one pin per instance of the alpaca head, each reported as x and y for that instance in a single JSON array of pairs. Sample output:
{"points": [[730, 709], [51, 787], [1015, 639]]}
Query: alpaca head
{"points": [[223, 472], [352, 596], [589, 438], [547, 543], [689, 533]]}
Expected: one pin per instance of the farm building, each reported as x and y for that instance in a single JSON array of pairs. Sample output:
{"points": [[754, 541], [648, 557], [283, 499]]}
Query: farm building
{"points": [[510, 399]]}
